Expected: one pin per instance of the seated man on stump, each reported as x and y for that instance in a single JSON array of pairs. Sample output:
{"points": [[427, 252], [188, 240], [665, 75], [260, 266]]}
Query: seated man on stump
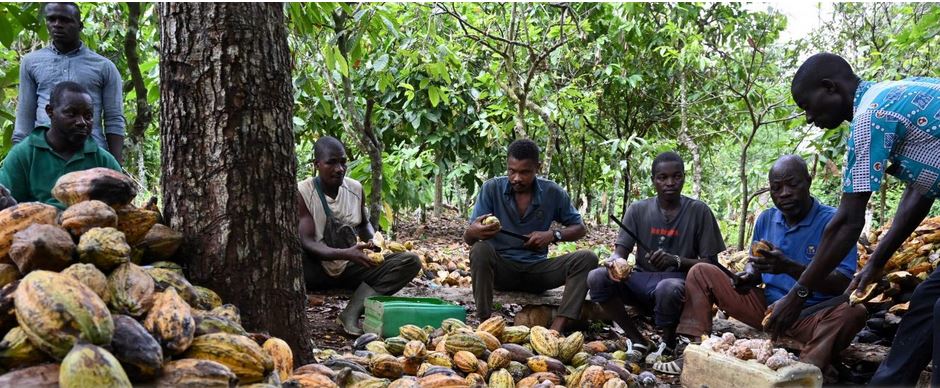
{"points": [[786, 238], [526, 205], [676, 232], [332, 213], [33, 166]]}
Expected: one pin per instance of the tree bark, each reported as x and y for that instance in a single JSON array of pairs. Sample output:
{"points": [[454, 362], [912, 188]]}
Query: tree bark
{"points": [[144, 115], [228, 159], [439, 187], [687, 140]]}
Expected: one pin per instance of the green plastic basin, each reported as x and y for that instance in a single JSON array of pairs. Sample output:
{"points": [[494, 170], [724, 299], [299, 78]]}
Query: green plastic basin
{"points": [[385, 314]]}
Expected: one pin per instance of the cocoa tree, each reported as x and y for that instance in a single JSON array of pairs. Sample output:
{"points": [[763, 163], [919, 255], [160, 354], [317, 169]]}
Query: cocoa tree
{"points": [[228, 159]]}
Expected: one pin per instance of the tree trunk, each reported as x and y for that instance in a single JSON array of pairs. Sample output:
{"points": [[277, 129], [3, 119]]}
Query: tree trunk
{"points": [[144, 114], [228, 159], [742, 218], [687, 141], [439, 187]]}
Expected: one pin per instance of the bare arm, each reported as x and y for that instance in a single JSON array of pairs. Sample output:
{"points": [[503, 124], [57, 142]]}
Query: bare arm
{"points": [[365, 229], [573, 232], [840, 235], [318, 249], [116, 147]]}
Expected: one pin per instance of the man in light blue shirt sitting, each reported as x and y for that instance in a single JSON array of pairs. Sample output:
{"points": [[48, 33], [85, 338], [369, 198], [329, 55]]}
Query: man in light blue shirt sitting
{"points": [[68, 59], [792, 230]]}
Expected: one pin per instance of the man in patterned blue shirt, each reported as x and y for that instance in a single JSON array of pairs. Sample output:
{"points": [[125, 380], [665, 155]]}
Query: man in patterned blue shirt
{"points": [[895, 129]]}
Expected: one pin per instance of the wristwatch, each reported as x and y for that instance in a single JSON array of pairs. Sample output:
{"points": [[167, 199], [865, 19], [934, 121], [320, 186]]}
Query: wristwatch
{"points": [[557, 234], [802, 291]]}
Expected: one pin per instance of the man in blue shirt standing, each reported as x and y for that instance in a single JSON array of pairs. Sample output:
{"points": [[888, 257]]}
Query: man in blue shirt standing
{"points": [[792, 230], [526, 205], [896, 122], [68, 59]]}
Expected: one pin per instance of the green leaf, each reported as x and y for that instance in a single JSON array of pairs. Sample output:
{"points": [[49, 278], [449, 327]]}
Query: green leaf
{"points": [[341, 64], [380, 63], [6, 31], [434, 95]]}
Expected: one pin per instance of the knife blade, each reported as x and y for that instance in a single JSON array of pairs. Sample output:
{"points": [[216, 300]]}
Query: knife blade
{"points": [[514, 234]]}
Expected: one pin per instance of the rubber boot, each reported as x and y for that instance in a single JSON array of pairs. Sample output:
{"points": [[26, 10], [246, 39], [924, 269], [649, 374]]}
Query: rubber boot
{"points": [[349, 318]]}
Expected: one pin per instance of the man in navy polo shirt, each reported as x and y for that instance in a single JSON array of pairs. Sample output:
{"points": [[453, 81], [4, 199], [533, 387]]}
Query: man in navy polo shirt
{"points": [[526, 205], [792, 229]]}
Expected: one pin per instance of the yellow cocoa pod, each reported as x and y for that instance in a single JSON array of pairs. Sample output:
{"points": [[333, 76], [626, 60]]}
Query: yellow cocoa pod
{"points": [[465, 361], [82, 216], [396, 247], [91, 277], [615, 383], [103, 247], [206, 299], [499, 358], [475, 380], [130, 290], [451, 325], [87, 365], [415, 349], [491, 220], [160, 243], [135, 222], [100, 183], [54, 310], [19, 217], [310, 380], [757, 246], [545, 364], [464, 341], [413, 333], [488, 339], [240, 354], [196, 373], [165, 278], [281, 355], [543, 342], [16, 351], [386, 366], [439, 359], [208, 324], [571, 345], [501, 378], [42, 246], [227, 311], [170, 321], [494, 325], [377, 347], [515, 335], [442, 381]]}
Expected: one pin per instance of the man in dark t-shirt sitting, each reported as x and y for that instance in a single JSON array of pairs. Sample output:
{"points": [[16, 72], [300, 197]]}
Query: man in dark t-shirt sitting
{"points": [[680, 230]]}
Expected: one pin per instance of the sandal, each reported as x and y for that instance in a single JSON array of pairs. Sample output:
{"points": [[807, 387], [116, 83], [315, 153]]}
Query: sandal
{"points": [[636, 352], [673, 367], [655, 357]]}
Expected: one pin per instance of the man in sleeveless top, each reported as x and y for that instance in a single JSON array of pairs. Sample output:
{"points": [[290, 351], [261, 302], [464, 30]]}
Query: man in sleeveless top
{"points": [[332, 213]]}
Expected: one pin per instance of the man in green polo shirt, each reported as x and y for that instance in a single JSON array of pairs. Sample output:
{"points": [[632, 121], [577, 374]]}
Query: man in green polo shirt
{"points": [[32, 167]]}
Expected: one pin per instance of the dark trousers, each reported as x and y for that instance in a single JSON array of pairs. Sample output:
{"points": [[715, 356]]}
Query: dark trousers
{"points": [[490, 271], [663, 293], [392, 275], [916, 341]]}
